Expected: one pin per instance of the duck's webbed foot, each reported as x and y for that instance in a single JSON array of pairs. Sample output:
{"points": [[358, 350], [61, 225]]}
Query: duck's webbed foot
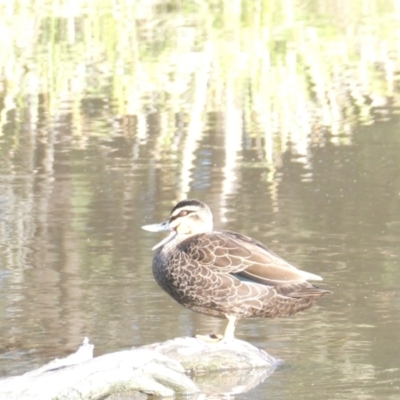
{"points": [[228, 336], [212, 338]]}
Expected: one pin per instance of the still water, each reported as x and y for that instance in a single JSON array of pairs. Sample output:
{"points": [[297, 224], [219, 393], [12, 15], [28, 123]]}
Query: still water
{"points": [[282, 116], [75, 263]]}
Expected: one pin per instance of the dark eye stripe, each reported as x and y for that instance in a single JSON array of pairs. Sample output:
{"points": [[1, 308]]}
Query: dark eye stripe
{"points": [[173, 218]]}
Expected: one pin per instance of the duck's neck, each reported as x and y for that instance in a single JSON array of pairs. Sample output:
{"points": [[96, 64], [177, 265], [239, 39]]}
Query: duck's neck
{"points": [[175, 241]]}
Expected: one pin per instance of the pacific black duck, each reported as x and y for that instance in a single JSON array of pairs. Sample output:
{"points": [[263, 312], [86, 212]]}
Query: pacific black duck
{"points": [[225, 274]]}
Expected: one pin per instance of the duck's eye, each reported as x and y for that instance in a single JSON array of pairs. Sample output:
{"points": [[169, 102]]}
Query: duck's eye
{"points": [[183, 213]]}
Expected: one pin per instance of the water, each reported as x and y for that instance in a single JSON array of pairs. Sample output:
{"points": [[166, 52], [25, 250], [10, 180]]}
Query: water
{"points": [[75, 262], [302, 160]]}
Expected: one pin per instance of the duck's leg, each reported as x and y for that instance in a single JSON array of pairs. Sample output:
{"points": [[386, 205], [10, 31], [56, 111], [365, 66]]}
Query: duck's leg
{"points": [[229, 334]]}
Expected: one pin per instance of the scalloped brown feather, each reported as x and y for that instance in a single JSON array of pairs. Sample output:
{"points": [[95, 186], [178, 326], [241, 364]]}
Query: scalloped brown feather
{"points": [[199, 273], [226, 274]]}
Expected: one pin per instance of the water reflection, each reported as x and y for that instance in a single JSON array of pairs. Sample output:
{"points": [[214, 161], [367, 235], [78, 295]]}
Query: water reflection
{"points": [[303, 157], [75, 262], [229, 384]]}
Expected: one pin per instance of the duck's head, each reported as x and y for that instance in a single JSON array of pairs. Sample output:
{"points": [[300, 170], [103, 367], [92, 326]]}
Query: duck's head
{"points": [[188, 217]]}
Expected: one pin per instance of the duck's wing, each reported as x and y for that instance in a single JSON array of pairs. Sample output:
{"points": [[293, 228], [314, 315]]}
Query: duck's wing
{"points": [[232, 253]]}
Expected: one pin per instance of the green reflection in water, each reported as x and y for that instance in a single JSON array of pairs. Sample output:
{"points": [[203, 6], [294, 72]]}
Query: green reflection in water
{"points": [[283, 116]]}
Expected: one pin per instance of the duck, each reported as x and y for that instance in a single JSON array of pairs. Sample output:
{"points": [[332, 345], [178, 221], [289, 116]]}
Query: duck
{"points": [[225, 274]]}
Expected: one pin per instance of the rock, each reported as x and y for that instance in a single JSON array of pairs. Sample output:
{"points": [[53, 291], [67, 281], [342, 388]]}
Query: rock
{"points": [[159, 369], [131, 370], [220, 368], [198, 355]]}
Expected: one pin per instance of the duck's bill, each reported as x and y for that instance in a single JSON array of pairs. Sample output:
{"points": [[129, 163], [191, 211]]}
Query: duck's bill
{"points": [[166, 240], [164, 226]]}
